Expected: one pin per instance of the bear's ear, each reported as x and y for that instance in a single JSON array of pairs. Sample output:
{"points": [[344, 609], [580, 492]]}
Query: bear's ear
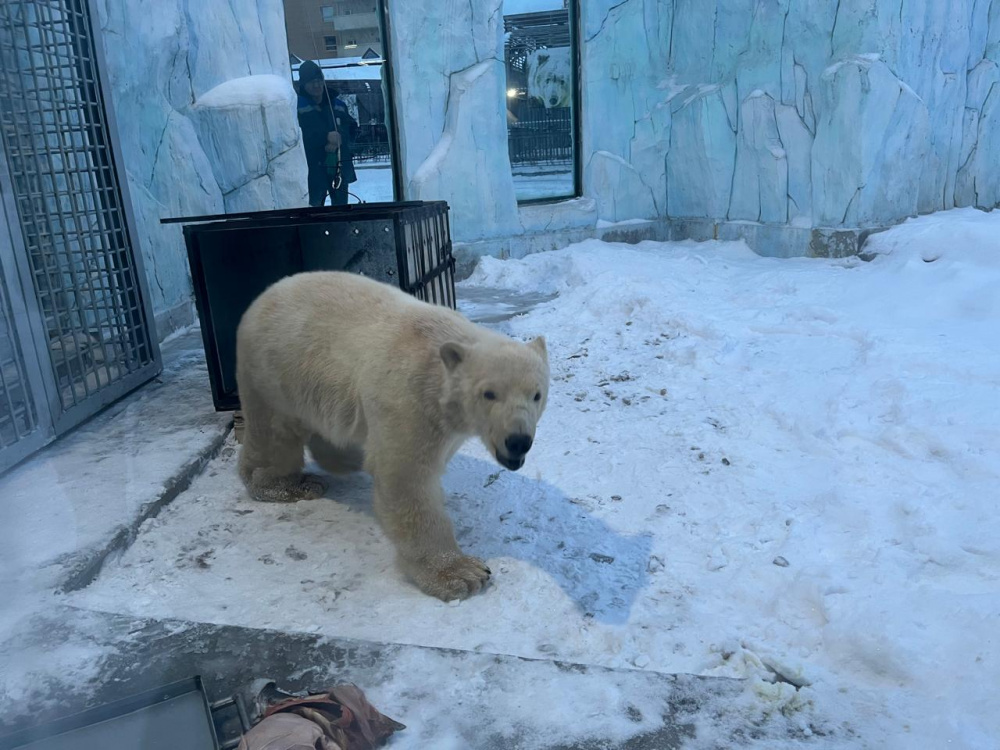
{"points": [[543, 57], [452, 355], [538, 344]]}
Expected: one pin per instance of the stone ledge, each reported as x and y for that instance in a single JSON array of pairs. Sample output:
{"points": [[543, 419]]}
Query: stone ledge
{"points": [[777, 241], [439, 693], [769, 240]]}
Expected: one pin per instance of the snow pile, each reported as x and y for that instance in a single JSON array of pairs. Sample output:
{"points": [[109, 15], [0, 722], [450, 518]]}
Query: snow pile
{"points": [[783, 470], [249, 91], [961, 246], [964, 237]]}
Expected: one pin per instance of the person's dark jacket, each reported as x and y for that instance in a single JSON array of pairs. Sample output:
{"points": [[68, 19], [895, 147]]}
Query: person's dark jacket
{"points": [[317, 120]]}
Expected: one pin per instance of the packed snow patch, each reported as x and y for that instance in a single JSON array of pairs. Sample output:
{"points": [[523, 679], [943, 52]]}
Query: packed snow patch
{"points": [[963, 237]]}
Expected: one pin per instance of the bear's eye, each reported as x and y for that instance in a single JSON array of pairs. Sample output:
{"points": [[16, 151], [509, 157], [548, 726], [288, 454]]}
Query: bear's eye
{"points": [[538, 396], [490, 396]]}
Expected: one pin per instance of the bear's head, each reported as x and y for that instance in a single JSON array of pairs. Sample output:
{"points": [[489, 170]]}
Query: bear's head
{"points": [[549, 76], [501, 390]]}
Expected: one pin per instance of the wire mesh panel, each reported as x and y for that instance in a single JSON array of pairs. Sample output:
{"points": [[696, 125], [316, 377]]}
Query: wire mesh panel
{"points": [[18, 411], [70, 206], [24, 414]]}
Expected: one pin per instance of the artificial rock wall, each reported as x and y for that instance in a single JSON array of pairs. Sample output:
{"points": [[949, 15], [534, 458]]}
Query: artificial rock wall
{"points": [[770, 119], [206, 119], [780, 121]]}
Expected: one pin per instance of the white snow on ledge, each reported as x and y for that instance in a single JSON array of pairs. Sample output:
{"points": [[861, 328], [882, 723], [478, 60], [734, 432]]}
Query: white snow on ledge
{"points": [[604, 224], [248, 91]]}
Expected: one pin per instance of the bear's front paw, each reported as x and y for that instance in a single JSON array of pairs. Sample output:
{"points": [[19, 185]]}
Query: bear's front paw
{"points": [[451, 576], [285, 489]]}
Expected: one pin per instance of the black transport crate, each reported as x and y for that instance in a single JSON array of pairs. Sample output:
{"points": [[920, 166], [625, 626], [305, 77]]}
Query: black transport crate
{"points": [[235, 257]]}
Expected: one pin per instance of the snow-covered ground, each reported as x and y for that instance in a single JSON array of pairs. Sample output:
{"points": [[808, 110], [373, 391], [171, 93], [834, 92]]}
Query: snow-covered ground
{"points": [[748, 467], [374, 185]]}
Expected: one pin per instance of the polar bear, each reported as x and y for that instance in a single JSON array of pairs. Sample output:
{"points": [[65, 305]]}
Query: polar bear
{"points": [[373, 379], [549, 76]]}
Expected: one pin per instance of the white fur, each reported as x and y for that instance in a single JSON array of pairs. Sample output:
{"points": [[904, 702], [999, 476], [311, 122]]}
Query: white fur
{"points": [[550, 77], [371, 378]]}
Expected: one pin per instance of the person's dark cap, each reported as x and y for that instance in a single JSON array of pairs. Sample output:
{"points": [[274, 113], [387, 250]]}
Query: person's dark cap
{"points": [[309, 71]]}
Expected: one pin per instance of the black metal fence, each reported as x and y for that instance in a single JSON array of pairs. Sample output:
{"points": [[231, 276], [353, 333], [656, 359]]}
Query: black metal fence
{"points": [[541, 137], [371, 145]]}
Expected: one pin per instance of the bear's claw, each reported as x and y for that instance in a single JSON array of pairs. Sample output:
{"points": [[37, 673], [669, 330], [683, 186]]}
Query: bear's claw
{"points": [[452, 577]]}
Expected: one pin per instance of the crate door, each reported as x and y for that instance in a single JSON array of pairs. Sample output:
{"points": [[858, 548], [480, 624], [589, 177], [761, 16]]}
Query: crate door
{"points": [[68, 213]]}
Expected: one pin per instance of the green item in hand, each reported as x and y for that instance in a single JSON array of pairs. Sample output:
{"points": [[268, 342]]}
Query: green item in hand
{"points": [[332, 162]]}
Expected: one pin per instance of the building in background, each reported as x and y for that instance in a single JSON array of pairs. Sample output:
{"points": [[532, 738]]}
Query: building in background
{"points": [[325, 29]]}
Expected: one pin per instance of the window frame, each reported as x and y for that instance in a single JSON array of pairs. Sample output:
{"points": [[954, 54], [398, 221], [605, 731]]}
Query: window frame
{"points": [[576, 113], [392, 108]]}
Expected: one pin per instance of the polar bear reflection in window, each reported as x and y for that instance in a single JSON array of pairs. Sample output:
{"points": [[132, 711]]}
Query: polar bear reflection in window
{"points": [[549, 77], [540, 124]]}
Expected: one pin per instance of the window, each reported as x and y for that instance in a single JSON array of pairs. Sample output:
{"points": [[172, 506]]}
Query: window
{"points": [[541, 97], [365, 90], [328, 13]]}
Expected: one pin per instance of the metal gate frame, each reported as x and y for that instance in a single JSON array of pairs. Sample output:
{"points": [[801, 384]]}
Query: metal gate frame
{"points": [[29, 322], [22, 328]]}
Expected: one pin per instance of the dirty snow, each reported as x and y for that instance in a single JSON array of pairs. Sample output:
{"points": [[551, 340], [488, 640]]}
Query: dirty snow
{"points": [[88, 486], [784, 470], [25, 677]]}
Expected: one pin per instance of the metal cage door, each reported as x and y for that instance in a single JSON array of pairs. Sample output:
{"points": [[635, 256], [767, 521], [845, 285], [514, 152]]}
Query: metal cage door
{"points": [[73, 298], [24, 426]]}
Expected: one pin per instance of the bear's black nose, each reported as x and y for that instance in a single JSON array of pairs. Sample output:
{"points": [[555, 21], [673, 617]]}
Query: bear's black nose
{"points": [[517, 445], [554, 100]]}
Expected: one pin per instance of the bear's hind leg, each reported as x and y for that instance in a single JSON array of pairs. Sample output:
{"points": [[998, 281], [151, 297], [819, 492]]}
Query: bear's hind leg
{"points": [[336, 459], [271, 457]]}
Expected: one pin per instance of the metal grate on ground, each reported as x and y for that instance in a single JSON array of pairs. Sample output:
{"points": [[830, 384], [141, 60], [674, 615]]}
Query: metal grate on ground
{"points": [[69, 203]]}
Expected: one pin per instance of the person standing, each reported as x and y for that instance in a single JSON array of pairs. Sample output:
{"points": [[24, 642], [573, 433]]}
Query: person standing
{"points": [[328, 132]]}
